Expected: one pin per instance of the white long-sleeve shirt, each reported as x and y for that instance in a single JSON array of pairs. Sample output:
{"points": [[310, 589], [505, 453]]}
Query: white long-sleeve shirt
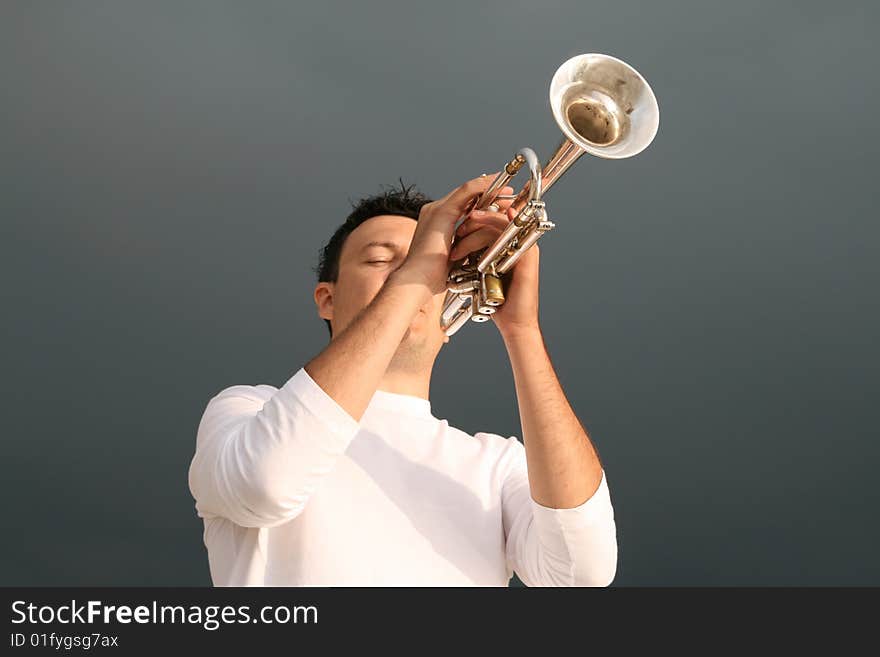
{"points": [[294, 491]]}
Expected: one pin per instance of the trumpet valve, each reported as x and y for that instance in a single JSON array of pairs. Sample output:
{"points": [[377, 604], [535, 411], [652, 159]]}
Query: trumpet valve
{"points": [[529, 212]]}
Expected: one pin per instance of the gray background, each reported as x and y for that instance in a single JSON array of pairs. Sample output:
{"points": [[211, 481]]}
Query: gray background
{"points": [[170, 171]]}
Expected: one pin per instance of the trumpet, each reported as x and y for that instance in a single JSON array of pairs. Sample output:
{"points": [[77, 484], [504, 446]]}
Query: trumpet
{"points": [[603, 107]]}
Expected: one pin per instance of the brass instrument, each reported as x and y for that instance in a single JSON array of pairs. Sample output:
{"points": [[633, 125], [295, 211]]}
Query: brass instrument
{"points": [[603, 107]]}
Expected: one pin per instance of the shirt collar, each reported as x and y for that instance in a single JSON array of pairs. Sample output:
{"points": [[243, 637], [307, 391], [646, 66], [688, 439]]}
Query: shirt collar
{"points": [[398, 403]]}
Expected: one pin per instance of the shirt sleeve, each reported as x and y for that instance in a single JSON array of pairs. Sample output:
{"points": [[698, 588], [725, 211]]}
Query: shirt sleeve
{"points": [[257, 461], [556, 547]]}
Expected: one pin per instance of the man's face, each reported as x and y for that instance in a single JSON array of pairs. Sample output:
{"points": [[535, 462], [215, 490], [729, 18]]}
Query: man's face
{"points": [[370, 253]]}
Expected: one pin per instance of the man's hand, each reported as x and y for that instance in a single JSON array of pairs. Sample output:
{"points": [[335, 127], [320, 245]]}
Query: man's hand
{"points": [[427, 261], [520, 308]]}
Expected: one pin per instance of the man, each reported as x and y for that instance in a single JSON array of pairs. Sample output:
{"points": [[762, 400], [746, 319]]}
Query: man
{"points": [[344, 477]]}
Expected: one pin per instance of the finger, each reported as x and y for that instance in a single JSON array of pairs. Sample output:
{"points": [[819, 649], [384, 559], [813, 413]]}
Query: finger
{"points": [[481, 237], [457, 200], [504, 203], [480, 214], [496, 219]]}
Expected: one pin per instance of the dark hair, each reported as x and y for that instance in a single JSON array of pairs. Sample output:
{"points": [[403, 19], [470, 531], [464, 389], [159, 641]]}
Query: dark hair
{"points": [[406, 201]]}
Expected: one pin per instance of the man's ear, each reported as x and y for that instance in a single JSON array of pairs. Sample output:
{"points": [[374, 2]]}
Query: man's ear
{"points": [[324, 300]]}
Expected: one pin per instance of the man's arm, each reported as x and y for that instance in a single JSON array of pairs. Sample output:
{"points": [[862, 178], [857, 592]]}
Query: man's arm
{"points": [[564, 468], [558, 516], [350, 368]]}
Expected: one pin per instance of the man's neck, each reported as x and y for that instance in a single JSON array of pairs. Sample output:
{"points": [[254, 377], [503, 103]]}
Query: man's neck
{"points": [[402, 383]]}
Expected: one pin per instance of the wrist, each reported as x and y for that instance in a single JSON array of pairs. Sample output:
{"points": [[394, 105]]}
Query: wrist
{"points": [[519, 332], [411, 281]]}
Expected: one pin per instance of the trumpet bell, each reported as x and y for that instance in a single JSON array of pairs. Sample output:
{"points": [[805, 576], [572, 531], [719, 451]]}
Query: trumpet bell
{"points": [[604, 106]]}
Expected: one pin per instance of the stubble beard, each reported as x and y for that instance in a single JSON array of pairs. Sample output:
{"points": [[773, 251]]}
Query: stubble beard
{"points": [[413, 353]]}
